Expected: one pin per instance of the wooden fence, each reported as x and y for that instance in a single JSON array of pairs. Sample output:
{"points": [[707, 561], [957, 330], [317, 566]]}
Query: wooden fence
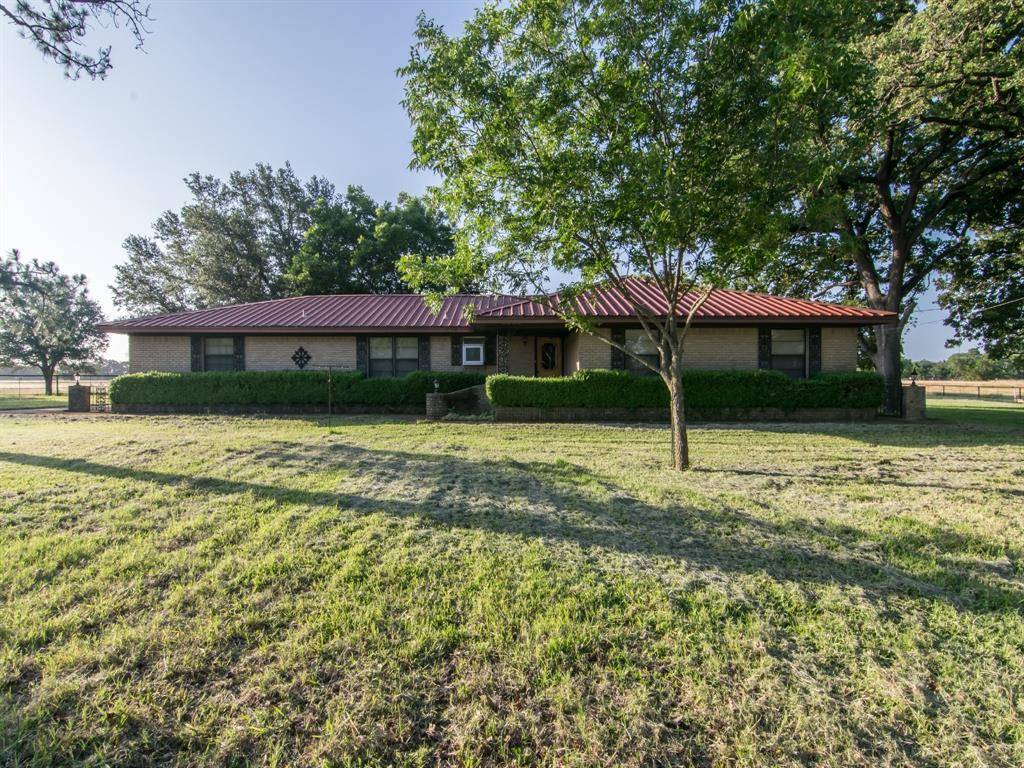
{"points": [[1003, 388]]}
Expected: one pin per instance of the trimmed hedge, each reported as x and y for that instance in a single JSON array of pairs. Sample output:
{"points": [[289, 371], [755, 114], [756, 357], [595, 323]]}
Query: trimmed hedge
{"points": [[701, 389], [282, 388]]}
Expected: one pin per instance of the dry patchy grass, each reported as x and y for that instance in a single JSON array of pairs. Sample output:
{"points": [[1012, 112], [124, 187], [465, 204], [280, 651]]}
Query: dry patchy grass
{"points": [[207, 591]]}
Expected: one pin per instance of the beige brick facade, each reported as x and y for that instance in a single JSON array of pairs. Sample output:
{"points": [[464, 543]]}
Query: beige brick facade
{"points": [[720, 349], [441, 357], [274, 353], [584, 350], [707, 348], [522, 353], [159, 353], [839, 349]]}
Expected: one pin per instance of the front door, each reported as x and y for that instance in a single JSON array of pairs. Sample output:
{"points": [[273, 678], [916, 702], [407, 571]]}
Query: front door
{"points": [[549, 356]]}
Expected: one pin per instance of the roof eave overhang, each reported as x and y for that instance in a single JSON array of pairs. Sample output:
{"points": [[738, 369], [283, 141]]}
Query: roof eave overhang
{"points": [[276, 330], [479, 322], [706, 321]]}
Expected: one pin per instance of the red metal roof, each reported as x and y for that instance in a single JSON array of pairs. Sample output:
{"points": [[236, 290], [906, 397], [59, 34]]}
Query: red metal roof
{"points": [[343, 312], [409, 312], [722, 305]]}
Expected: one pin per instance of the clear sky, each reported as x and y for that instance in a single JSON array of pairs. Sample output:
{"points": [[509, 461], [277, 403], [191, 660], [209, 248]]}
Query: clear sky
{"points": [[220, 87]]}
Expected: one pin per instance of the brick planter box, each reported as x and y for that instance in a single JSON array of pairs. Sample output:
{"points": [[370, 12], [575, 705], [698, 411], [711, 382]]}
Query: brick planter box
{"points": [[503, 413], [267, 409]]}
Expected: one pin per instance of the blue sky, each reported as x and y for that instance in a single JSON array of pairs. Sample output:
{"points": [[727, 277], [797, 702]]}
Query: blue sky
{"points": [[220, 87]]}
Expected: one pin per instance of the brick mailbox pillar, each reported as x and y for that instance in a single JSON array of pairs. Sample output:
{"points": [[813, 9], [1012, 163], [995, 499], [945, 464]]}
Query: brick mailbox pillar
{"points": [[913, 403], [437, 405], [79, 398]]}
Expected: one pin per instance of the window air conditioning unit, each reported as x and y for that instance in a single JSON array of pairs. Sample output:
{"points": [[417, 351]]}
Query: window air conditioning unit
{"points": [[473, 352]]}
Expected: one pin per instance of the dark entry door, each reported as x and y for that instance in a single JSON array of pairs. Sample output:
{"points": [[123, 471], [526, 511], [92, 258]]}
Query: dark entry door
{"points": [[549, 356]]}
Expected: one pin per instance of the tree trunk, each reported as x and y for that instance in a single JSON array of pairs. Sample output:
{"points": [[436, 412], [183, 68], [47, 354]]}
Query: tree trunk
{"points": [[887, 360], [48, 380], [680, 446]]}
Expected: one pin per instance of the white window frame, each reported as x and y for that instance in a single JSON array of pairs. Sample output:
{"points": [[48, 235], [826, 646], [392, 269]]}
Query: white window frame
{"points": [[477, 344]]}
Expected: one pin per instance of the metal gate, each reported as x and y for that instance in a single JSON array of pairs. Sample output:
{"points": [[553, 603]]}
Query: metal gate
{"points": [[99, 400]]}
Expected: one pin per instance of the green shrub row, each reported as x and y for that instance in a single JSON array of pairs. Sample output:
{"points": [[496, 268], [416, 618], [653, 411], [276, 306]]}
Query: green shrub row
{"points": [[282, 388], [701, 389]]}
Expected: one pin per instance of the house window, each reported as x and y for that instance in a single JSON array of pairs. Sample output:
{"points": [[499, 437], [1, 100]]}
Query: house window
{"points": [[473, 352], [639, 343], [219, 354], [789, 351], [393, 356]]}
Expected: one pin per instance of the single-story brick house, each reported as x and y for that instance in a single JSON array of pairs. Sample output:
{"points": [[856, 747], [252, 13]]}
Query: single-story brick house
{"points": [[394, 334]]}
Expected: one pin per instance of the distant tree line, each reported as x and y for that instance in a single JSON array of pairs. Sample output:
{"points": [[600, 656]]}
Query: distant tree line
{"points": [[972, 365], [266, 234]]}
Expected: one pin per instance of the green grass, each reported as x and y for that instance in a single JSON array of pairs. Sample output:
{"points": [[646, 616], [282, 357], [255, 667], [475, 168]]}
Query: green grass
{"points": [[240, 591], [9, 402], [1000, 413]]}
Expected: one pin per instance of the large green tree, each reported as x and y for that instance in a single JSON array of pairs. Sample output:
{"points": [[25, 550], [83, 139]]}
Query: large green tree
{"points": [[232, 243], [265, 234], [983, 291], [354, 243], [601, 141], [47, 318], [901, 123]]}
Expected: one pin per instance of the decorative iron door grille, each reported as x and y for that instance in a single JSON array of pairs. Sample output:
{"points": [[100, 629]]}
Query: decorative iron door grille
{"points": [[100, 402]]}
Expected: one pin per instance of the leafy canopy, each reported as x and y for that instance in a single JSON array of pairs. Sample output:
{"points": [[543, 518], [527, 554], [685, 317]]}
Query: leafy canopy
{"points": [[232, 243], [901, 122], [46, 317], [59, 27], [266, 234], [353, 244], [587, 140]]}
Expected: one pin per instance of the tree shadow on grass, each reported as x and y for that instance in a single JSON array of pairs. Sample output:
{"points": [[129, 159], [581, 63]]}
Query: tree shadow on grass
{"points": [[870, 480], [565, 503]]}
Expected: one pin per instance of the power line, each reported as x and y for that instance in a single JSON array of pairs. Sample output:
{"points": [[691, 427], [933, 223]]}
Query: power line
{"points": [[973, 312]]}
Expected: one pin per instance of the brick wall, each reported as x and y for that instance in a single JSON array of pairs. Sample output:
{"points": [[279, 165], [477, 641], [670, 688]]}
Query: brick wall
{"points": [[441, 357], [274, 353], [721, 349], [159, 353], [583, 350], [839, 349], [706, 348], [521, 354]]}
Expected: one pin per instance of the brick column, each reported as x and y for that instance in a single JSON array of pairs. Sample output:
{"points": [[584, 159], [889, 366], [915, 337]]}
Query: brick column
{"points": [[504, 350], [913, 403], [437, 405], [79, 398]]}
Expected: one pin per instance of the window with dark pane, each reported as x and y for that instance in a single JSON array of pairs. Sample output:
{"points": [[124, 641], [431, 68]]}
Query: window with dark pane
{"points": [[407, 355], [219, 354], [789, 351], [381, 357], [639, 343], [393, 356]]}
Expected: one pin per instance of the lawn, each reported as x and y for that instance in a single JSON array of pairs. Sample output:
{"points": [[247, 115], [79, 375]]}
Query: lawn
{"points": [[9, 402], [243, 591], [965, 410]]}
